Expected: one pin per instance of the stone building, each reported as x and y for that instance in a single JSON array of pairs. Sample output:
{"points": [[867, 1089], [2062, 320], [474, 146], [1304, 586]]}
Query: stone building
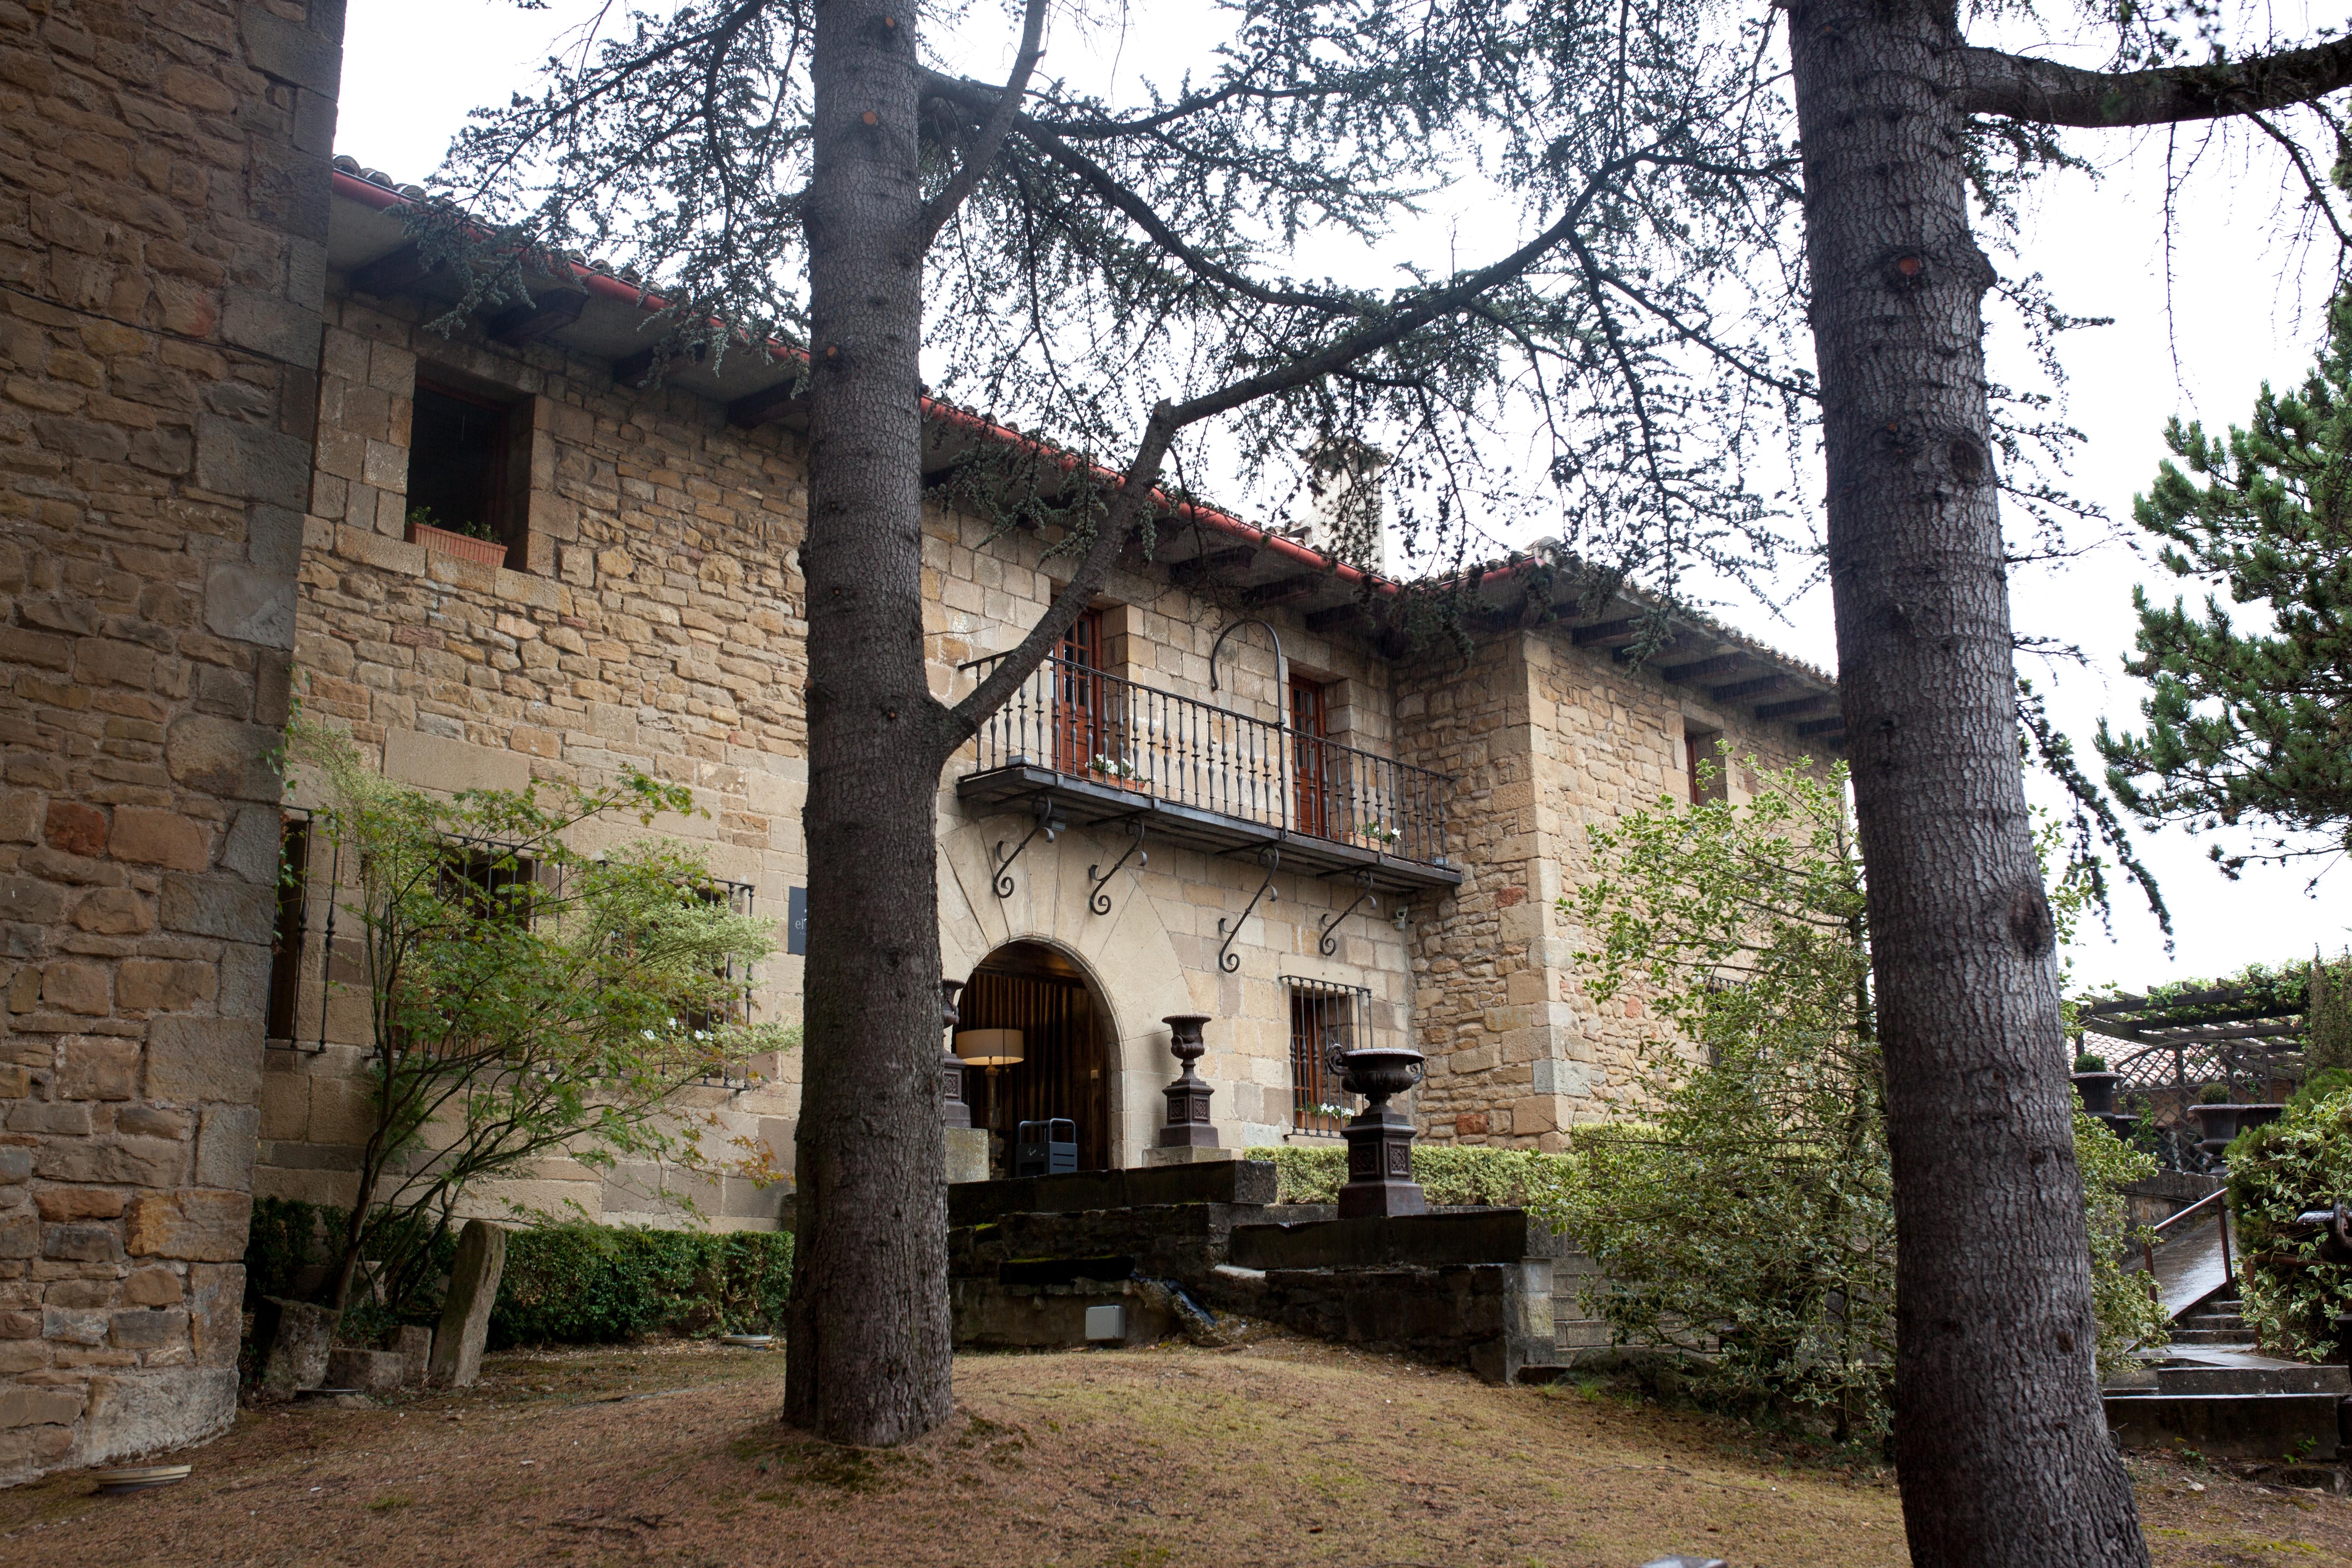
{"points": [[228, 431]]}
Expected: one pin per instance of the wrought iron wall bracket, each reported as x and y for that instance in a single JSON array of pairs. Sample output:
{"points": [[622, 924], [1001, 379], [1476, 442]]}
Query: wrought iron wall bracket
{"points": [[1099, 901], [1330, 943], [1048, 824], [1227, 959]]}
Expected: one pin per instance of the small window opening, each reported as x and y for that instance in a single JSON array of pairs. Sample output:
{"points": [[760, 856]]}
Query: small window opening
{"points": [[458, 469], [286, 949], [1704, 760]]}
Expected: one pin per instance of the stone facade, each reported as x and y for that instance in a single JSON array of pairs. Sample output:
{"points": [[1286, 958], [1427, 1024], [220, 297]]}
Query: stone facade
{"points": [[211, 411], [1545, 740], [163, 219]]}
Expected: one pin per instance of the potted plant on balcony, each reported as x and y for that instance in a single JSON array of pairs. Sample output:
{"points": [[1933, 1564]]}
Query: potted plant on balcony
{"points": [[1381, 836], [473, 540], [1118, 773]]}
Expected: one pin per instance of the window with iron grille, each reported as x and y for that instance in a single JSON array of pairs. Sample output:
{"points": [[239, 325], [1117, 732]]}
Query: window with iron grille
{"points": [[1324, 1014], [735, 1006]]}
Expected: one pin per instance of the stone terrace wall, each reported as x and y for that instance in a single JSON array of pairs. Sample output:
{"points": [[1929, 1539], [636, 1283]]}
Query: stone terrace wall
{"points": [[1547, 740], [163, 219], [659, 627]]}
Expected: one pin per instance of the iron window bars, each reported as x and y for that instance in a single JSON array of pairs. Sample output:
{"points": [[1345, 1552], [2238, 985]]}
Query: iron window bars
{"points": [[1323, 1012], [1110, 731], [492, 875]]}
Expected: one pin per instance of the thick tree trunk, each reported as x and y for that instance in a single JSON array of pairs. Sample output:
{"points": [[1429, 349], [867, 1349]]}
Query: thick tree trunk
{"points": [[2001, 1444], [869, 1343]]}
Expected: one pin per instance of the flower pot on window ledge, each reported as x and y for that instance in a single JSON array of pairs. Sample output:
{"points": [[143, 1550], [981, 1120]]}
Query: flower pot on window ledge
{"points": [[489, 551]]}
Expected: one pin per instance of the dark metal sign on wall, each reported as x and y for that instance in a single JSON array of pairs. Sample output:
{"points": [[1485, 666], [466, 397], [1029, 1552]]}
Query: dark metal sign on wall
{"points": [[796, 921]]}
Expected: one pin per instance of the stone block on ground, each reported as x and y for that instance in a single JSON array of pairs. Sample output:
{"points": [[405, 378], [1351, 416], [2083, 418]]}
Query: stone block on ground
{"points": [[414, 1342], [370, 1372], [466, 1313], [1185, 1154], [967, 1153], [299, 1335]]}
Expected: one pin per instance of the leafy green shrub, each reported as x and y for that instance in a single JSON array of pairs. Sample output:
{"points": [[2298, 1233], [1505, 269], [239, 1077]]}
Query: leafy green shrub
{"points": [[1751, 1217], [2128, 1314], [2300, 1163], [1475, 1174], [2324, 1084], [2215, 1094], [593, 1284], [2088, 1062]]}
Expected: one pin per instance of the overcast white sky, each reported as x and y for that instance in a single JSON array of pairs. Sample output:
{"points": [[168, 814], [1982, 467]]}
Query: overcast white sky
{"points": [[2238, 313]]}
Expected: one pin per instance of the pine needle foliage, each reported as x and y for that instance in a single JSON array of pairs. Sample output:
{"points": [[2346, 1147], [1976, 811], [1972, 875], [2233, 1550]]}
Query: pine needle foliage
{"points": [[1112, 261], [2248, 727], [524, 999]]}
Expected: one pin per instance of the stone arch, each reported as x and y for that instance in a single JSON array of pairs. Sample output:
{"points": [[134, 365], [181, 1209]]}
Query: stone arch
{"points": [[1129, 957]]}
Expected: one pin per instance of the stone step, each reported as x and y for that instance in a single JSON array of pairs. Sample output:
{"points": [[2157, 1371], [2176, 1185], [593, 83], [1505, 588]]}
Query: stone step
{"points": [[2238, 1338], [2211, 1321], [2237, 1427], [2335, 1380]]}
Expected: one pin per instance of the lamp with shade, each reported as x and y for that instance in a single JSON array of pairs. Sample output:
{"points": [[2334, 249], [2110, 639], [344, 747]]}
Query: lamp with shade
{"points": [[990, 1048]]}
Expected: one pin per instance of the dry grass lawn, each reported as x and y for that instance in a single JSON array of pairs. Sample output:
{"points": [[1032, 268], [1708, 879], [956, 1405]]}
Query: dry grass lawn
{"points": [[1286, 1452]]}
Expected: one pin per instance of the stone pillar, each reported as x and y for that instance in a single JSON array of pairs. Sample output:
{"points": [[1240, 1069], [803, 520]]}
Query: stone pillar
{"points": [[161, 339], [466, 1313]]}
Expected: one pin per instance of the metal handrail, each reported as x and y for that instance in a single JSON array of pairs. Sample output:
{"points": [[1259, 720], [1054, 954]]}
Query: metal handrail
{"points": [[2155, 1234], [1105, 729]]}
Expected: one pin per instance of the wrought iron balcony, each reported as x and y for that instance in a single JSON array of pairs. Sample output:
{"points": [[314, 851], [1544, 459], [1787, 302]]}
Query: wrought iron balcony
{"points": [[1108, 749]]}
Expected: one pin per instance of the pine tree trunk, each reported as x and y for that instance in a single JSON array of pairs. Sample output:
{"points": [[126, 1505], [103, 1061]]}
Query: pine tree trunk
{"points": [[870, 1340], [2000, 1443]]}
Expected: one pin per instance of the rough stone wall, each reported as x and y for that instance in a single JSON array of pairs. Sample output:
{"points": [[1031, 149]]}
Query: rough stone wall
{"points": [[1548, 740], [658, 629], [163, 219]]}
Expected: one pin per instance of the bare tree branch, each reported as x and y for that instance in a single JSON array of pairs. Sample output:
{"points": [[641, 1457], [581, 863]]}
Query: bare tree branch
{"points": [[984, 149], [2043, 92]]}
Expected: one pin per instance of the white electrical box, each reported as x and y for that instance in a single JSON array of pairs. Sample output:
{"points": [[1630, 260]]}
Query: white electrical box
{"points": [[1105, 1323]]}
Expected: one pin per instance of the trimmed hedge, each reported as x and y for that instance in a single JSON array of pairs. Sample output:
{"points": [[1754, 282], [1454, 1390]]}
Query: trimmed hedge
{"points": [[594, 1284], [575, 1283], [1314, 1173]]}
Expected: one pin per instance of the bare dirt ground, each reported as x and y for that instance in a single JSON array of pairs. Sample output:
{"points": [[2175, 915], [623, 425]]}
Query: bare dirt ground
{"points": [[1286, 1452]]}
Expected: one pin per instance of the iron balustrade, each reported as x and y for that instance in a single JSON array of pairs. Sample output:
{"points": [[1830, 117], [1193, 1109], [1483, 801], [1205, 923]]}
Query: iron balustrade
{"points": [[1107, 730]]}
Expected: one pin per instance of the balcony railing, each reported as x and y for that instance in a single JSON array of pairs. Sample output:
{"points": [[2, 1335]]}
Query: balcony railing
{"points": [[1106, 731]]}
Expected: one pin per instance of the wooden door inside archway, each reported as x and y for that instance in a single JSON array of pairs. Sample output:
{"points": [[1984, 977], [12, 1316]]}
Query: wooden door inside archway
{"points": [[1065, 1064]]}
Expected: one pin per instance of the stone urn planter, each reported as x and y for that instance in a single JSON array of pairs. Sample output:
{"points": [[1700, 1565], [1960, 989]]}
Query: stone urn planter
{"points": [[2098, 1090], [1380, 1141], [2220, 1123]]}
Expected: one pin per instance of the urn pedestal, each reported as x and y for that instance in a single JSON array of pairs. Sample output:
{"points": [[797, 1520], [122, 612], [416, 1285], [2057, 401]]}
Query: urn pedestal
{"points": [[1380, 1141], [954, 1110], [1188, 1125]]}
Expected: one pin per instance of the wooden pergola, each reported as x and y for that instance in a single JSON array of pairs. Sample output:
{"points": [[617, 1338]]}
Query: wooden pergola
{"points": [[2244, 1036]]}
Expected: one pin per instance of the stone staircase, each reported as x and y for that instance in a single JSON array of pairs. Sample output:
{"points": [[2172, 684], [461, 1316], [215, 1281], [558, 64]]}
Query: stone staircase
{"points": [[2217, 1393]]}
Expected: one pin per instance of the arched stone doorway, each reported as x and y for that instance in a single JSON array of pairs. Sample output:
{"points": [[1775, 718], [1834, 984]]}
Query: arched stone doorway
{"points": [[1069, 1051]]}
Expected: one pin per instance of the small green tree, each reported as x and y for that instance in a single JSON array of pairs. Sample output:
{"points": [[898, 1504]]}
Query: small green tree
{"points": [[1748, 1210], [525, 999], [2247, 725]]}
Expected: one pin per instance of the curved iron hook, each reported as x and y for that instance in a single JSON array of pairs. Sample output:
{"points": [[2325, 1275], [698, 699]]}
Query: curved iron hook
{"points": [[1281, 659], [1100, 901], [1227, 959]]}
